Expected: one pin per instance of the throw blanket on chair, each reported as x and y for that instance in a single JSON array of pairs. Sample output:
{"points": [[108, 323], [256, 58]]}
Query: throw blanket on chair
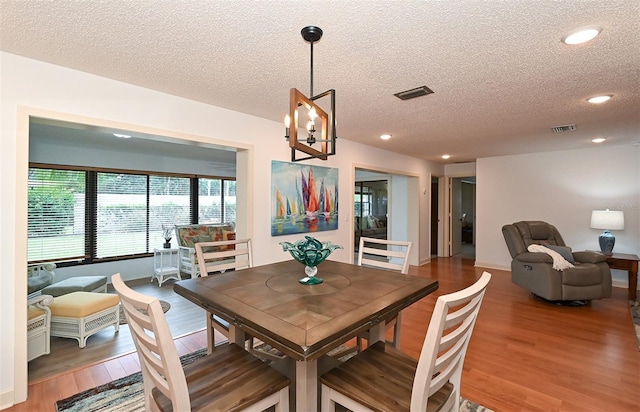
{"points": [[559, 263]]}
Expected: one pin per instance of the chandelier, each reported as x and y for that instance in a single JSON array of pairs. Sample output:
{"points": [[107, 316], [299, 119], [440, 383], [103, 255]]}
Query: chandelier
{"points": [[320, 125]]}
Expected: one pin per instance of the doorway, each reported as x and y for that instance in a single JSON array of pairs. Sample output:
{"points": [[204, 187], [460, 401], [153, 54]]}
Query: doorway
{"points": [[393, 211], [462, 217], [243, 164], [370, 210]]}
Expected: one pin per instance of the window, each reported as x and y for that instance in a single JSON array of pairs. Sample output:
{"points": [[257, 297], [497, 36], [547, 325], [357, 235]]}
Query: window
{"points": [[170, 204], [56, 225], [216, 200], [89, 215]]}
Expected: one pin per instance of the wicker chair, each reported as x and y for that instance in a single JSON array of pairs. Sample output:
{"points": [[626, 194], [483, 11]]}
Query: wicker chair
{"points": [[39, 326]]}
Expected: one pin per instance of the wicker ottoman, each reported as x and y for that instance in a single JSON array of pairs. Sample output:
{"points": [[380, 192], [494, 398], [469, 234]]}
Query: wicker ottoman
{"points": [[77, 284], [79, 315]]}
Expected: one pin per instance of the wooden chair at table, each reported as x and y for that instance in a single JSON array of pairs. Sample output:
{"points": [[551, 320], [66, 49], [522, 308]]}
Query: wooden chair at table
{"points": [[384, 254], [381, 378], [220, 256], [229, 379]]}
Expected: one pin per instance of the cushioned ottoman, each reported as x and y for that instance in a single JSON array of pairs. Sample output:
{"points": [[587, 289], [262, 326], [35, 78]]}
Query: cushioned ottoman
{"points": [[77, 284], [79, 315]]}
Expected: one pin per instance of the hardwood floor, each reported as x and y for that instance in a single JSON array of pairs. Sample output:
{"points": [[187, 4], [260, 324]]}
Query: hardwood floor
{"points": [[183, 317], [524, 355]]}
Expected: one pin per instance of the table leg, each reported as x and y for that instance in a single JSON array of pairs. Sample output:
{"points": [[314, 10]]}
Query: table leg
{"points": [[377, 333], [633, 283], [307, 386], [236, 335]]}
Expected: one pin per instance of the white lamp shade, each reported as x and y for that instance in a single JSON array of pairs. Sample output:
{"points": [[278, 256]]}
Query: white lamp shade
{"points": [[607, 219]]}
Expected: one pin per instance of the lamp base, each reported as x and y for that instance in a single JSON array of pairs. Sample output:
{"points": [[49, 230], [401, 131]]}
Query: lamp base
{"points": [[606, 240]]}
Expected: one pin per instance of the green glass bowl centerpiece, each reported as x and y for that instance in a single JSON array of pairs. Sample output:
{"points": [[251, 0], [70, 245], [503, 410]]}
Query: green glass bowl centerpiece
{"points": [[310, 252]]}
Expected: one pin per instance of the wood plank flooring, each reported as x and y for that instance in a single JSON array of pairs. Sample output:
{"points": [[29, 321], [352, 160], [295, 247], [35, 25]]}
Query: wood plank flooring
{"points": [[524, 355], [183, 317]]}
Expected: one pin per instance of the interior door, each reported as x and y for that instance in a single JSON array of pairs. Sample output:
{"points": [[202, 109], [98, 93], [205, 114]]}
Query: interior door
{"points": [[455, 217]]}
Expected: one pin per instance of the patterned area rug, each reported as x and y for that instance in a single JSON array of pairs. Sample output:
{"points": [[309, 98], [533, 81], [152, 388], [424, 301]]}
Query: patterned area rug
{"points": [[165, 307], [635, 314], [127, 395]]}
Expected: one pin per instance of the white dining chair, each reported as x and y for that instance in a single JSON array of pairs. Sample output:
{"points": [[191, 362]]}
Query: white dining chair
{"points": [[228, 379], [381, 378], [218, 257], [384, 254]]}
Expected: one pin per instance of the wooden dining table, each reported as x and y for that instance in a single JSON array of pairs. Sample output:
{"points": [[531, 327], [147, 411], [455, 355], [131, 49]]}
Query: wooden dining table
{"points": [[305, 322]]}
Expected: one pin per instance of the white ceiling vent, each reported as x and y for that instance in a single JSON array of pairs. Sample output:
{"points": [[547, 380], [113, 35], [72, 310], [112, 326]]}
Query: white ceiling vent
{"points": [[565, 128]]}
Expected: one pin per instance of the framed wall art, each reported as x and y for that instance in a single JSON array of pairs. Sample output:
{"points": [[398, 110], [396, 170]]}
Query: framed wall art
{"points": [[304, 198]]}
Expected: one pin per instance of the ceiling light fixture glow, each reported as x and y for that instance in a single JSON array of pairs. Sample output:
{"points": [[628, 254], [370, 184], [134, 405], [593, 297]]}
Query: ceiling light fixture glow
{"points": [[445, 157], [385, 136], [598, 140], [582, 35], [599, 99]]}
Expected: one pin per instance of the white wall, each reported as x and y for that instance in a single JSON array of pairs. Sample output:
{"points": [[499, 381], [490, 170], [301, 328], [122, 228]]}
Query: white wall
{"points": [[561, 188], [31, 86]]}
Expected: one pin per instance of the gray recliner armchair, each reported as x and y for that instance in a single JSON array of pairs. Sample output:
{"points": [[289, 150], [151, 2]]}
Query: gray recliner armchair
{"points": [[589, 279]]}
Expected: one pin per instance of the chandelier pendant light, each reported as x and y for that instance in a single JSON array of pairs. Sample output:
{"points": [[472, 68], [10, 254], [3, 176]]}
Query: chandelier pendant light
{"points": [[303, 110]]}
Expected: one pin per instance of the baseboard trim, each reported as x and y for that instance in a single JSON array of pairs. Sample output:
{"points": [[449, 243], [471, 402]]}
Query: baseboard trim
{"points": [[492, 266], [6, 399]]}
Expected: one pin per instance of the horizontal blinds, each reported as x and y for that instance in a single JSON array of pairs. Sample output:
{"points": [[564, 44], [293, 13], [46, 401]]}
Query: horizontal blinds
{"points": [[121, 215], [88, 215], [209, 200], [169, 205], [56, 215], [229, 200]]}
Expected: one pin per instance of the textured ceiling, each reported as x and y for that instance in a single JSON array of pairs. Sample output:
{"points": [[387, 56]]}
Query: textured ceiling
{"points": [[500, 74]]}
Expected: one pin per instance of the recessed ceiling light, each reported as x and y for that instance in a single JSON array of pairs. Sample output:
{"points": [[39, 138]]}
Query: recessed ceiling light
{"points": [[122, 136], [385, 136], [599, 99], [446, 156], [582, 35], [598, 140]]}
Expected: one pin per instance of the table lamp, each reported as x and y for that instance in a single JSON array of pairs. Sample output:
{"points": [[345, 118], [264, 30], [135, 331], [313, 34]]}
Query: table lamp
{"points": [[607, 220]]}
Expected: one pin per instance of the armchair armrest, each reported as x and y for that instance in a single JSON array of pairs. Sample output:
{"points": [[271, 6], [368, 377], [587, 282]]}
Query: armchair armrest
{"points": [[42, 301], [589, 257], [188, 261], [532, 257], [186, 252]]}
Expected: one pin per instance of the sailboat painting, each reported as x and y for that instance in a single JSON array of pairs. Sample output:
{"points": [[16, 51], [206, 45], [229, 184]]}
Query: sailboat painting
{"points": [[304, 198]]}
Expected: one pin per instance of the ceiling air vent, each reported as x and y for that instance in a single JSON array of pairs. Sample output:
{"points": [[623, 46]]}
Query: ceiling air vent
{"points": [[565, 128], [413, 93]]}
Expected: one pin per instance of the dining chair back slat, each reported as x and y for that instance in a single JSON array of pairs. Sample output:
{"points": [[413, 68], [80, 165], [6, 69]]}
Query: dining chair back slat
{"points": [[223, 255], [385, 254]]}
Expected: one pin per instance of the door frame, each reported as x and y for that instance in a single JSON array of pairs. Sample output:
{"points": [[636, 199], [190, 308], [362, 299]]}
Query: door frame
{"points": [[408, 213], [444, 184]]}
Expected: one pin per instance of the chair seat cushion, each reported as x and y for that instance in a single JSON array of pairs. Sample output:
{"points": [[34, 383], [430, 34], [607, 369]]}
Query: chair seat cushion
{"points": [[75, 284], [36, 283], [34, 311], [82, 304]]}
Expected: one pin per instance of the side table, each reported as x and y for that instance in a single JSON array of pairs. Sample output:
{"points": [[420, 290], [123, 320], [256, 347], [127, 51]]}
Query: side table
{"points": [[628, 262], [166, 265]]}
